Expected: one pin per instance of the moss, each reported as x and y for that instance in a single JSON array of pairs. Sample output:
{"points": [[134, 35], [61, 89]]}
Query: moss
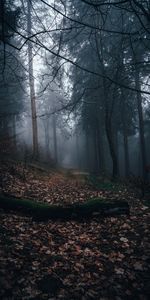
{"points": [[99, 203], [18, 203], [43, 211], [99, 183], [147, 202], [34, 208]]}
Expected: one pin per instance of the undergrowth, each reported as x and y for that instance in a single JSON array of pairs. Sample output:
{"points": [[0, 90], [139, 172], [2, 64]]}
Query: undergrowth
{"points": [[99, 183]]}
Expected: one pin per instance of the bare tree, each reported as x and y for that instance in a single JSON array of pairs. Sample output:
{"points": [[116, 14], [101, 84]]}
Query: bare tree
{"points": [[31, 84]]}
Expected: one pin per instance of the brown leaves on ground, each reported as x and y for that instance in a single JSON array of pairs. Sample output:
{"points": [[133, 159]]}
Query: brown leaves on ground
{"points": [[52, 187], [98, 259]]}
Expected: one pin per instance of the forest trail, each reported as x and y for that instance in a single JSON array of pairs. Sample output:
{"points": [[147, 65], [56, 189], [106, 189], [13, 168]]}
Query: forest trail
{"points": [[104, 258]]}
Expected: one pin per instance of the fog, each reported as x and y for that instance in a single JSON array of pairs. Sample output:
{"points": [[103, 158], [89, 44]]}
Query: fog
{"points": [[74, 85]]}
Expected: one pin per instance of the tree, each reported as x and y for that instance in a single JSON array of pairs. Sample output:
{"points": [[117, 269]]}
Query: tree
{"points": [[31, 84], [8, 20], [107, 57], [97, 39], [12, 78]]}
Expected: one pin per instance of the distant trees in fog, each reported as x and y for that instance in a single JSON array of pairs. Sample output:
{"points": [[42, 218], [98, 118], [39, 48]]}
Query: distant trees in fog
{"points": [[98, 53], [12, 76]]}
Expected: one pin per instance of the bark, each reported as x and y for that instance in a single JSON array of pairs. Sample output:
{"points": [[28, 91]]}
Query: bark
{"points": [[100, 150], [113, 154], [77, 151], [87, 150], [125, 137], [141, 125], [96, 163], [14, 131], [126, 149], [123, 114], [42, 212], [108, 121], [32, 86], [46, 123], [55, 139], [126, 154], [116, 145]]}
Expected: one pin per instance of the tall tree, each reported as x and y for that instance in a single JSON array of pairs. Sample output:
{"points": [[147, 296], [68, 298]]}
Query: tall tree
{"points": [[31, 83], [12, 77]]}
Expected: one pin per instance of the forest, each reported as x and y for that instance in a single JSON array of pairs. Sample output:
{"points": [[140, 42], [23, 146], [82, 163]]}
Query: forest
{"points": [[74, 149]]}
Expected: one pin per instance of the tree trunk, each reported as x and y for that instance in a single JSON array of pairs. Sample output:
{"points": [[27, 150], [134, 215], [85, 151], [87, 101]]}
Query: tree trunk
{"points": [[46, 123], [108, 120], [77, 151], [125, 136], [126, 154], [14, 131], [116, 145], [43, 211], [100, 150], [55, 138], [111, 145], [32, 86], [87, 149], [96, 163], [141, 125], [126, 148]]}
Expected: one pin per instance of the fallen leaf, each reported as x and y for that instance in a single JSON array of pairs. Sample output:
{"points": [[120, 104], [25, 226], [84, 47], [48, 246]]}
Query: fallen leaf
{"points": [[119, 271], [123, 239]]}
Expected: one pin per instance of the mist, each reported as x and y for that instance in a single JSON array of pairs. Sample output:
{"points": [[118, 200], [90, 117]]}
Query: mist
{"points": [[74, 149], [75, 92]]}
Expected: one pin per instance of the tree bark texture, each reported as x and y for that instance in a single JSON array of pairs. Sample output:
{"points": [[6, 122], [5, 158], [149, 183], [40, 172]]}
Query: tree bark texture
{"points": [[125, 142], [32, 85], [141, 125]]}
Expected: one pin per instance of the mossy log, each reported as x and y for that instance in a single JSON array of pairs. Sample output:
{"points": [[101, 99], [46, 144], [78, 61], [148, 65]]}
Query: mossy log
{"points": [[43, 211]]}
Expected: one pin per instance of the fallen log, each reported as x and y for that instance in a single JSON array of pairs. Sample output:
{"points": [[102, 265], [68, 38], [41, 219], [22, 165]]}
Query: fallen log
{"points": [[43, 211]]}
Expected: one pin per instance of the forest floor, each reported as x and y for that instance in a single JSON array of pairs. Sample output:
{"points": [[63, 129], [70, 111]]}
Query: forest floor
{"points": [[106, 258]]}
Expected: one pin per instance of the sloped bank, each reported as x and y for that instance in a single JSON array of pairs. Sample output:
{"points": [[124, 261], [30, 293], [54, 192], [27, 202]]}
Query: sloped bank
{"points": [[41, 211]]}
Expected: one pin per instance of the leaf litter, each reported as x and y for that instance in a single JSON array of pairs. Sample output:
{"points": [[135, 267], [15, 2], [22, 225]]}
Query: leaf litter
{"points": [[107, 258]]}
